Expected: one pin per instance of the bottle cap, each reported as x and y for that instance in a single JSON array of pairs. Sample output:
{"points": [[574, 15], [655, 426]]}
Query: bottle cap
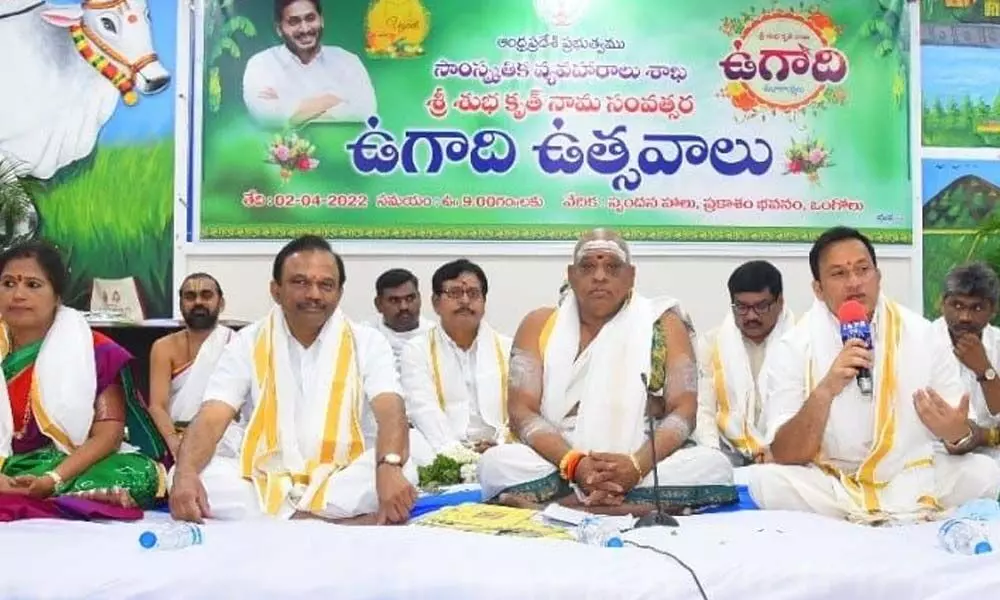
{"points": [[147, 540], [614, 542], [983, 548]]}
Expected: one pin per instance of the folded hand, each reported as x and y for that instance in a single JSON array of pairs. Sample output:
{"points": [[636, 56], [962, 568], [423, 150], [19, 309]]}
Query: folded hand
{"points": [[35, 486]]}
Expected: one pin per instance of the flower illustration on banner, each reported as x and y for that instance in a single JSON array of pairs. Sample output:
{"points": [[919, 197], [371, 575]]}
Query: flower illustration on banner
{"points": [[291, 153], [807, 158], [782, 62]]}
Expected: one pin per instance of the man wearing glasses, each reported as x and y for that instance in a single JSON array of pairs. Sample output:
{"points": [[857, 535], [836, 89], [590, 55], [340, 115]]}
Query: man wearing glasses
{"points": [[455, 375], [730, 359], [968, 305]]}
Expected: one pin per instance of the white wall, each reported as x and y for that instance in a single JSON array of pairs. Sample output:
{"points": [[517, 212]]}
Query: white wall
{"points": [[522, 281]]}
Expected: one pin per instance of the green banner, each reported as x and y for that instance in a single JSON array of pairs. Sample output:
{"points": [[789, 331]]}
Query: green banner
{"points": [[535, 119]]}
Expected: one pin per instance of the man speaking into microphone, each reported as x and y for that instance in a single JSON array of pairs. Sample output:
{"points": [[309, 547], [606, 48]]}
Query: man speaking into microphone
{"points": [[843, 399]]}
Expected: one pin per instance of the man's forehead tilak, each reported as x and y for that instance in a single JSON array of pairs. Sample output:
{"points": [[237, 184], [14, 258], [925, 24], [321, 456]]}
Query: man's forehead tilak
{"points": [[595, 246]]}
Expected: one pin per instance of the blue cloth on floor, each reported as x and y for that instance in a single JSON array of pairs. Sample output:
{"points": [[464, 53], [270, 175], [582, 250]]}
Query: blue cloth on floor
{"points": [[745, 502], [433, 502]]}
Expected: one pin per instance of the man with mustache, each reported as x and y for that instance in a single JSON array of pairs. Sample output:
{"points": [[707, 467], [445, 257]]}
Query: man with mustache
{"points": [[839, 451], [968, 304], [397, 300], [305, 372], [580, 378], [455, 375], [730, 359], [181, 363], [301, 80]]}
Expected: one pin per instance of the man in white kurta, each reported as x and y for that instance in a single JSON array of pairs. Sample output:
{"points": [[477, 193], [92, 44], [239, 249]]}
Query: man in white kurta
{"points": [[843, 453], [304, 451], [454, 376], [730, 359], [302, 80], [580, 378], [968, 304], [397, 300]]}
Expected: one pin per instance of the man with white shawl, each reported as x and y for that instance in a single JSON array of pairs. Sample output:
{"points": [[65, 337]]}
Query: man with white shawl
{"points": [[730, 358], [181, 363], [580, 379], [844, 453], [968, 304], [455, 375], [305, 370]]}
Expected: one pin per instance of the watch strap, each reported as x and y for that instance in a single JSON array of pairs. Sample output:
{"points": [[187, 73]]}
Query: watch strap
{"points": [[962, 443], [391, 459]]}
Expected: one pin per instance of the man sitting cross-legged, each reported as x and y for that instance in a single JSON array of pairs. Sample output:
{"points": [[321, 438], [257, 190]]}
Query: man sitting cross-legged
{"points": [[181, 363], [306, 370], [865, 453], [730, 358], [579, 380]]}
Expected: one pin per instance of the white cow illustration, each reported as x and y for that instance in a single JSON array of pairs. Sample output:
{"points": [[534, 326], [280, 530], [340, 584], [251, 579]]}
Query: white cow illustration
{"points": [[55, 100]]}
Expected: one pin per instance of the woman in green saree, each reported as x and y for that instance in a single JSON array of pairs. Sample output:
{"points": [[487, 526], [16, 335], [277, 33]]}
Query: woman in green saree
{"points": [[71, 420]]}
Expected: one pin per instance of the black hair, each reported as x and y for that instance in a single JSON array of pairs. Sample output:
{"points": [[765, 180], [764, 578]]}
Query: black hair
{"points": [[454, 270], [48, 258], [306, 243], [393, 278], [201, 275], [755, 276], [281, 5], [832, 236]]}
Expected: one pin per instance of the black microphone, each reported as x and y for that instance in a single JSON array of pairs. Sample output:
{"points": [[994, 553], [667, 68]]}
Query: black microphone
{"points": [[658, 518], [854, 325]]}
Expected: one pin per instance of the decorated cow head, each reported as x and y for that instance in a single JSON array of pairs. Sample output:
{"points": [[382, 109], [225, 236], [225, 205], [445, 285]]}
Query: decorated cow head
{"points": [[118, 31]]}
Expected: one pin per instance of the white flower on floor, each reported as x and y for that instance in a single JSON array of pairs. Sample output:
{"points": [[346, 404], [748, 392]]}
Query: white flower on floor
{"points": [[452, 466], [468, 471], [461, 454]]}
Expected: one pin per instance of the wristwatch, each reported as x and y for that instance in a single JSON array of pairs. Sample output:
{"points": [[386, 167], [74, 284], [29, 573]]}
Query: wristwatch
{"points": [[392, 459], [989, 374]]}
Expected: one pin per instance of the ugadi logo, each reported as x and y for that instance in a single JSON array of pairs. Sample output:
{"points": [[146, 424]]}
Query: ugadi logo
{"points": [[396, 28], [783, 61]]}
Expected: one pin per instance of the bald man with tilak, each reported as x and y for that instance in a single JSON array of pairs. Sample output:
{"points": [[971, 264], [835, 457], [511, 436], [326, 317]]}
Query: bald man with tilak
{"points": [[581, 376]]}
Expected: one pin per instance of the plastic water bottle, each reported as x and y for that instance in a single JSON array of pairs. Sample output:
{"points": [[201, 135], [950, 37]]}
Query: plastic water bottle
{"points": [[171, 537], [964, 536], [595, 531]]}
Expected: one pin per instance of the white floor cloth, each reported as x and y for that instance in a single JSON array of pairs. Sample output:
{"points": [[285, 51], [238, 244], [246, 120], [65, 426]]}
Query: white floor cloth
{"points": [[746, 555]]}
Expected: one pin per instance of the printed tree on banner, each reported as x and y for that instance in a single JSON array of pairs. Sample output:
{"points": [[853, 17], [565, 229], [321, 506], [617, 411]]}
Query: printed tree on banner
{"points": [[985, 248], [891, 38], [221, 29]]}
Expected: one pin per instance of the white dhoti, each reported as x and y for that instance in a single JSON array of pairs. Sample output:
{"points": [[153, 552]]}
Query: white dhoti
{"points": [[877, 460], [958, 479], [303, 449], [349, 492], [692, 474], [606, 384], [421, 451]]}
